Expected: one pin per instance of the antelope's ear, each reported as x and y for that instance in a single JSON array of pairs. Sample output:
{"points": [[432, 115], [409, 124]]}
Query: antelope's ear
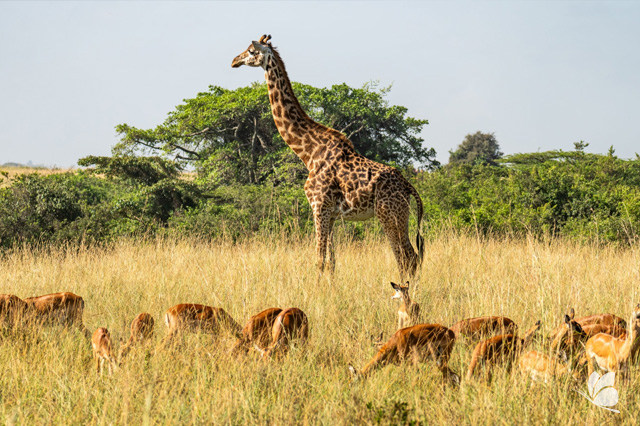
{"points": [[538, 323], [407, 284], [353, 371], [572, 313], [395, 286], [567, 319]]}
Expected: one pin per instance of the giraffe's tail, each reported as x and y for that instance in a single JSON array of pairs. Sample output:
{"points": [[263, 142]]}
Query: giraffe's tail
{"points": [[419, 237]]}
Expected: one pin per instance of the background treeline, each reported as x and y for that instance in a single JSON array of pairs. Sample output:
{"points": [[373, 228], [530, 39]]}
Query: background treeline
{"points": [[231, 176]]}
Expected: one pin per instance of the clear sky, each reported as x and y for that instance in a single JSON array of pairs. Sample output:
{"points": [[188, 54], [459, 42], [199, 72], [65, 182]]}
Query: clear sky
{"points": [[541, 75]]}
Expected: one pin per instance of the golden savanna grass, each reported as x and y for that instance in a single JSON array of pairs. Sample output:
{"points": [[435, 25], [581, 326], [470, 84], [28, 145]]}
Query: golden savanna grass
{"points": [[9, 172], [48, 377]]}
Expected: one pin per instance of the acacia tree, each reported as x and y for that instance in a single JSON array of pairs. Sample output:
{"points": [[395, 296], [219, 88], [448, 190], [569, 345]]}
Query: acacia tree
{"points": [[229, 135], [477, 148]]}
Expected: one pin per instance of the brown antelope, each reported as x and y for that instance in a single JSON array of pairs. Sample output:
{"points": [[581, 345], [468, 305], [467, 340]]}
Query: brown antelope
{"points": [[476, 328], [194, 317], [103, 350], [257, 331], [141, 331], [12, 310], [571, 338], [290, 324], [503, 348], [417, 343], [409, 311], [612, 353], [541, 367], [57, 309], [604, 319]]}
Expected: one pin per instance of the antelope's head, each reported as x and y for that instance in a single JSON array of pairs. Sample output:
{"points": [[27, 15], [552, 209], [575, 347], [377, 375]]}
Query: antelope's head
{"points": [[256, 55], [402, 291], [570, 336], [636, 313]]}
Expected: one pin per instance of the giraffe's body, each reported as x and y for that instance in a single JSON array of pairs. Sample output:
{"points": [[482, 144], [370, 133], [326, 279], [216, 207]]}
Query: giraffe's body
{"points": [[341, 182]]}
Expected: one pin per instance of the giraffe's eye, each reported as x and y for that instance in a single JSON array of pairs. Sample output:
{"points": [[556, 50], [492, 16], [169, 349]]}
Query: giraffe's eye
{"points": [[252, 52]]}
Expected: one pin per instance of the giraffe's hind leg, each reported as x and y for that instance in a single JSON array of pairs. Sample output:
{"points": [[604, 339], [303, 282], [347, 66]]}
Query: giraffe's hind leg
{"points": [[324, 221], [393, 214]]}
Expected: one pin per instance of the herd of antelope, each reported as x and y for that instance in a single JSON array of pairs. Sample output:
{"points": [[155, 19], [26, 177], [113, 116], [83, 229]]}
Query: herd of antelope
{"points": [[602, 340]]}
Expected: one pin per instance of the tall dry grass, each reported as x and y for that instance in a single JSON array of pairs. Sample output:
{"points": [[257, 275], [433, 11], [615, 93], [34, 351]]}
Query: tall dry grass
{"points": [[48, 378], [9, 172]]}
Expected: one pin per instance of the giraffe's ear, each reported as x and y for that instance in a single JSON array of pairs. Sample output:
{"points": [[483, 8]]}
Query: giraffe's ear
{"points": [[259, 46]]}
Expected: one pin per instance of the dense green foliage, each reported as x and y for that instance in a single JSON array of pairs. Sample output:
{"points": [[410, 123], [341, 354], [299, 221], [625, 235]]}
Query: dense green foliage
{"points": [[245, 181], [476, 148], [574, 194], [230, 138]]}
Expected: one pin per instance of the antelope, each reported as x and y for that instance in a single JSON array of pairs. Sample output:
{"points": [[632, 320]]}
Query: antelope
{"points": [[141, 331], [505, 347], [12, 309], [604, 319], [612, 353], [290, 323], [541, 367], [103, 350], [257, 331], [194, 317], [572, 336], [409, 311], [419, 342], [57, 309], [476, 328]]}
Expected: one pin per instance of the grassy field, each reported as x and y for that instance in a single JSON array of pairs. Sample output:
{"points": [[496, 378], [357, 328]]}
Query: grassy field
{"points": [[9, 172], [50, 380]]}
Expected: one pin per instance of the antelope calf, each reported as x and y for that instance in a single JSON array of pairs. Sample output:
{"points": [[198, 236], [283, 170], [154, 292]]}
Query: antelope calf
{"points": [[612, 353], [103, 350], [409, 311], [12, 310], [503, 348], [141, 331], [63, 309], [193, 317], [257, 331], [541, 367], [602, 319], [417, 343], [477, 328], [290, 324]]}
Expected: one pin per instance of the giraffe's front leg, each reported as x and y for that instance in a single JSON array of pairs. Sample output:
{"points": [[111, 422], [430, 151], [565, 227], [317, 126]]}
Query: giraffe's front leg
{"points": [[324, 228]]}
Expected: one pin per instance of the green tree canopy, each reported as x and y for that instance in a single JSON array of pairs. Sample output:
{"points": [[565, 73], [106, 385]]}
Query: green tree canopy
{"points": [[476, 148], [229, 135]]}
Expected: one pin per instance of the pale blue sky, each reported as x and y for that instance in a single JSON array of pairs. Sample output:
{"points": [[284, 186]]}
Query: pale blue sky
{"points": [[541, 75]]}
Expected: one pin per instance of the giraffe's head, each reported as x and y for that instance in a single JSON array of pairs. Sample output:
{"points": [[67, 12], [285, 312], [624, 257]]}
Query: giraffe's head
{"points": [[256, 55]]}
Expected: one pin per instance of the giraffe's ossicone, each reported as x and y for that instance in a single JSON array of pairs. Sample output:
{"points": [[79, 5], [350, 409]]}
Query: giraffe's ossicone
{"points": [[341, 182]]}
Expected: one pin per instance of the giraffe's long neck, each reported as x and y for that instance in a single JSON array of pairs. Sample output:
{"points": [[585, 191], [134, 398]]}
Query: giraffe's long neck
{"points": [[292, 122]]}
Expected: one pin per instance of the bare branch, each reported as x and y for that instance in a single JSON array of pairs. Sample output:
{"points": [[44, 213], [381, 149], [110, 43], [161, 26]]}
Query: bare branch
{"points": [[188, 151]]}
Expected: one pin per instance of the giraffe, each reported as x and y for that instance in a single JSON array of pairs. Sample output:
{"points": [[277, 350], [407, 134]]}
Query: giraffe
{"points": [[341, 182]]}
